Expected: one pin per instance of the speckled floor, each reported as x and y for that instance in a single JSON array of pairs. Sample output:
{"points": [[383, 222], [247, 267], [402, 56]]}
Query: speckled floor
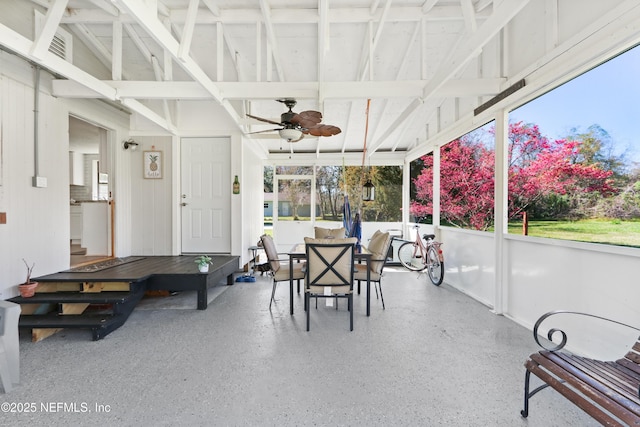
{"points": [[434, 357]]}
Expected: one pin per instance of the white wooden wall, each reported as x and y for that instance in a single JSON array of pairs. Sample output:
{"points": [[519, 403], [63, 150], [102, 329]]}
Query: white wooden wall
{"points": [[37, 226], [544, 275], [151, 200]]}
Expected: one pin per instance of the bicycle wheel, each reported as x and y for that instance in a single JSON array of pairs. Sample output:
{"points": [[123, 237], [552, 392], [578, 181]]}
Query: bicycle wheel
{"points": [[411, 257], [435, 268]]}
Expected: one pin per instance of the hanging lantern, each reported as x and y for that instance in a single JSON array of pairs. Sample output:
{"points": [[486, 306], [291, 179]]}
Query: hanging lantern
{"points": [[368, 191]]}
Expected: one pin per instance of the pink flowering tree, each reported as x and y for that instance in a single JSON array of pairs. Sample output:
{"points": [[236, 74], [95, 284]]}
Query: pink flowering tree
{"points": [[538, 167]]}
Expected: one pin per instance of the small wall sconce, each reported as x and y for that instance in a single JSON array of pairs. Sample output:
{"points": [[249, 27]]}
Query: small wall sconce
{"points": [[130, 143]]}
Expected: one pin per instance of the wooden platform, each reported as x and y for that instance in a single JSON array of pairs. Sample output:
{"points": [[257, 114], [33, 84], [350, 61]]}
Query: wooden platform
{"points": [[171, 273], [101, 301]]}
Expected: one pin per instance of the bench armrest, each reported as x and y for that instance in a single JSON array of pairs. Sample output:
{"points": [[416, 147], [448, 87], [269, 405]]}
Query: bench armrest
{"points": [[563, 342], [553, 331]]}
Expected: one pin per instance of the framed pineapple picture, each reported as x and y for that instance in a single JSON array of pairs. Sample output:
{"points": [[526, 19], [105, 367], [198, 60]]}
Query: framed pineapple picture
{"points": [[152, 167]]}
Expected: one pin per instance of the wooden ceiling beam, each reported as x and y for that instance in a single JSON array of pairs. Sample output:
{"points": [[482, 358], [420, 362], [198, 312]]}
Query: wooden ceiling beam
{"points": [[101, 52], [271, 90], [213, 8], [373, 43], [467, 48], [106, 6], [189, 26], [337, 15], [471, 44], [23, 46], [148, 20], [469, 16], [271, 37]]}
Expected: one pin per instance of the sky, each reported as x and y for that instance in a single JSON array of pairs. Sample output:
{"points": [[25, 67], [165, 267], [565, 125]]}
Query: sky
{"points": [[608, 95]]}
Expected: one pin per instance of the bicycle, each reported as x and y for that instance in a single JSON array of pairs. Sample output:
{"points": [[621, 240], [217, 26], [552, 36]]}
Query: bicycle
{"points": [[418, 256]]}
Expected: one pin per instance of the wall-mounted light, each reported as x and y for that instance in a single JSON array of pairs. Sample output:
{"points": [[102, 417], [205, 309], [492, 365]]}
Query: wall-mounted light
{"points": [[130, 143]]}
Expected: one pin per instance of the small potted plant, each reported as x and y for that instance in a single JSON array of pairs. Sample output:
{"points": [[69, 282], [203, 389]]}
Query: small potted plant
{"points": [[28, 288], [203, 262]]}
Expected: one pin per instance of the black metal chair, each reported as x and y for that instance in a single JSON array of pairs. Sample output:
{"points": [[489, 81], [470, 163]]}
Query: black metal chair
{"points": [[329, 272]]}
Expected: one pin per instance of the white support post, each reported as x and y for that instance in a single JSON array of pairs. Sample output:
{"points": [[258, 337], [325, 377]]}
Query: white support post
{"points": [[436, 187], [501, 190], [406, 200]]}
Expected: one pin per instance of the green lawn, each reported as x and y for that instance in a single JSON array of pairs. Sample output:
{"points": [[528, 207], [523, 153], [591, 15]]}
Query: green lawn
{"points": [[611, 231]]}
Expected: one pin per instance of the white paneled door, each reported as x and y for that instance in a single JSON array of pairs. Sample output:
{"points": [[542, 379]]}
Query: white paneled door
{"points": [[206, 195]]}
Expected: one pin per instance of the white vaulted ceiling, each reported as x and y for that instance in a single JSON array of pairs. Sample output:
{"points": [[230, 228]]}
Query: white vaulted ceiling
{"points": [[423, 64]]}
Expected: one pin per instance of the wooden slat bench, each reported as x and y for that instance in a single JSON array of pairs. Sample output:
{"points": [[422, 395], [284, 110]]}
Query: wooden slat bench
{"points": [[606, 390]]}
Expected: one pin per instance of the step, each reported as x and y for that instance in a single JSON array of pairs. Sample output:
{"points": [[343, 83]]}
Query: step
{"points": [[100, 324], [78, 250], [65, 320], [75, 297]]}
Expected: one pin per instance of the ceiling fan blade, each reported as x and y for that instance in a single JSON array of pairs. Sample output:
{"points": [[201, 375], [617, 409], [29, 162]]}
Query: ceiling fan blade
{"points": [[303, 123], [323, 130], [264, 120], [310, 115], [263, 131]]}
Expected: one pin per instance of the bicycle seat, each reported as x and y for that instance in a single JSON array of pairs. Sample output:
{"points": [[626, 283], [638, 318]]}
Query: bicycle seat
{"points": [[428, 236]]}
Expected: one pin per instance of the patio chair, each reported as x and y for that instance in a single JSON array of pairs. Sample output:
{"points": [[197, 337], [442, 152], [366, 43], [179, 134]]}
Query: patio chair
{"points": [[279, 267], [379, 247], [329, 272], [329, 233]]}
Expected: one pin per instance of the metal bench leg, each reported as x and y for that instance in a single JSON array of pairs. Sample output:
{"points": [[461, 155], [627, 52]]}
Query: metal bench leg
{"points": [[528, 395], [525, 411]]}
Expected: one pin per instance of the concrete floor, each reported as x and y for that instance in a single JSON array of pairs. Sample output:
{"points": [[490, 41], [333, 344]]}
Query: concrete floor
{"points": [[434, 357]]}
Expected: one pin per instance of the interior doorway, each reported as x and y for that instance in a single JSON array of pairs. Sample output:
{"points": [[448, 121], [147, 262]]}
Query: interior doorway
{"points": [[91, 204]]}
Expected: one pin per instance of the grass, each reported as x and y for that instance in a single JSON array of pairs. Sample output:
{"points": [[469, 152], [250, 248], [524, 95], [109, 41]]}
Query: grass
{"points": [[608, 231]]}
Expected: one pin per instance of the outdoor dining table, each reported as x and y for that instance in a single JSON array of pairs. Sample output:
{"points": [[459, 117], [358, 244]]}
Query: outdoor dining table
{"points": [[298, 253]]}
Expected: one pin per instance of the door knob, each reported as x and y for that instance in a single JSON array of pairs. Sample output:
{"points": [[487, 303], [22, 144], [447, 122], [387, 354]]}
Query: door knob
{"points": [[183, 204]]}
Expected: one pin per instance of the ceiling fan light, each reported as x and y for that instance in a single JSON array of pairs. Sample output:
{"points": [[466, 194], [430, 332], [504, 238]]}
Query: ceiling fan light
{"points": [[290, 135]]}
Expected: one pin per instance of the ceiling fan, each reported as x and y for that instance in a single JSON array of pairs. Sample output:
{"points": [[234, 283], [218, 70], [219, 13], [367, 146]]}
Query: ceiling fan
{"points": [[294, 126]]}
